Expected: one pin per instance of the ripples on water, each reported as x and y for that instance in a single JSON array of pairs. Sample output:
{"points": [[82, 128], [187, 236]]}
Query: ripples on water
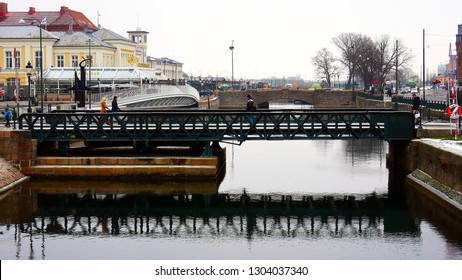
{"points": [[278, 200]]}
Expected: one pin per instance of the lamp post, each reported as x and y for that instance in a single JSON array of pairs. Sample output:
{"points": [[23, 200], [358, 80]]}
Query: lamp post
{"points": [[423, 68], [40, 23], [29, 72], [232, 63], [89, 73]]}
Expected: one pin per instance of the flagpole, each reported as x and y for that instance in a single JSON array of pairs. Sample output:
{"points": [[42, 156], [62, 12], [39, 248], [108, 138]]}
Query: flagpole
{"points": [[41, 63], [16, 96]]}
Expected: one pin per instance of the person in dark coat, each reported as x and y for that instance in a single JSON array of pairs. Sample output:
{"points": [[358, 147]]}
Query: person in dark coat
{"points": [[115, 108], [415, 103], [250, 107], [416, 107]]}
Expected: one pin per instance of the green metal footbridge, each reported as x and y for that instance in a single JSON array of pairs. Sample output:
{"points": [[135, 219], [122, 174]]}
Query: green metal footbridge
{"points": [[173, 127]]}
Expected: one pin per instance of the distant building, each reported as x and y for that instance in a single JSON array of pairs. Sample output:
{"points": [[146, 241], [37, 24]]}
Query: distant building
{"points": [[67, 38], [168, 67]]}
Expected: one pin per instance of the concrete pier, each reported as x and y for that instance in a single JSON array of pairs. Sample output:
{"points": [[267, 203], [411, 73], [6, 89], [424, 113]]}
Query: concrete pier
{"points": [[19, 160], [123, 166]]}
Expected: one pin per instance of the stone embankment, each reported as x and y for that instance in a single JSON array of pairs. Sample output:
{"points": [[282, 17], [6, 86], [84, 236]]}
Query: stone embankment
{"points": [[9, 176], [434, 168], [16, 152]]}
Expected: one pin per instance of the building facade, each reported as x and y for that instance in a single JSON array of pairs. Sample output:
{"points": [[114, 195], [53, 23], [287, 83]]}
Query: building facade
{"points": [[67, 37], [168, 67]]}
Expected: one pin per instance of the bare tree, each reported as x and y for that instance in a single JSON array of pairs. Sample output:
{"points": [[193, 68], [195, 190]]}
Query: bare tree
{"points": [[351, 45], [324, 65], [389, 52], [370, 59]]}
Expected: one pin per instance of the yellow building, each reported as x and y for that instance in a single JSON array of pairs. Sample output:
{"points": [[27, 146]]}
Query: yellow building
{"points": [[21, 44]]}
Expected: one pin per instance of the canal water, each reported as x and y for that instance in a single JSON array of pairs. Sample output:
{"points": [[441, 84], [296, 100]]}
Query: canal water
{"points": [[302, 200]]}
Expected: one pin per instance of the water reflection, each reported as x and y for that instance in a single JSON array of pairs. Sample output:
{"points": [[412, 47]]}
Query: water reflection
{"points": [[198, 212], [237, 218]]}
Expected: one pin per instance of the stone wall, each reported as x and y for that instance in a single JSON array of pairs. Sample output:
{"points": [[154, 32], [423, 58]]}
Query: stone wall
{"points": [[319, 98], [8, 175], [17, 151], [442, 164], [209, 102], [17, 147]]}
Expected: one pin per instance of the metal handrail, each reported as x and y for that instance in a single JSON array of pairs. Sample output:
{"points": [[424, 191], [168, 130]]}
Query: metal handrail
{"points": [[229, 125]]}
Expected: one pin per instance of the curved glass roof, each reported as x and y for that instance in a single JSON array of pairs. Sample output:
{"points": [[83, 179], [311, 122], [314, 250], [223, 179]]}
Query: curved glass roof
{"points": [[105, 74]]}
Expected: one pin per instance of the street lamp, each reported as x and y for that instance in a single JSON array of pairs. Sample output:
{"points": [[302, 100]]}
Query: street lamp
{"points": [[423, 68], [89, 72], [29, 72], [232, 63], [40, 22]]}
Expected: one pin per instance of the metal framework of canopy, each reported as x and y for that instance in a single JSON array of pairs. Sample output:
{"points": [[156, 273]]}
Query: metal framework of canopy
{"points": [[107, 75]]}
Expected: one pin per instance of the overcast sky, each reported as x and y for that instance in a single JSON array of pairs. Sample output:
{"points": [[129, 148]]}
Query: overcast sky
{"points": [[271, 37]]}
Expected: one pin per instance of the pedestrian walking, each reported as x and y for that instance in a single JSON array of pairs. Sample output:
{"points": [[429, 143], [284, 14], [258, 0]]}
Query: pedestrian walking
{"points": [[115, 108], [7, 117], [416, 107], [104, 109], [250, 107]]}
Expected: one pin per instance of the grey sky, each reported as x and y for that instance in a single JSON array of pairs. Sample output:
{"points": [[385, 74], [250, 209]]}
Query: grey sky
{"points": [[271, 38]]}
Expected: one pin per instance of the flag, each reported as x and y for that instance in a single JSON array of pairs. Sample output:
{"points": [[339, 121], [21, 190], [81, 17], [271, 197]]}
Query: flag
{"points": [[14, 53], [44, 21]]}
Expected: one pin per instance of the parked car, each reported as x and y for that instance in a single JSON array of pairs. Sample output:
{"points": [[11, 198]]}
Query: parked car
{"points": [[405, 90]]}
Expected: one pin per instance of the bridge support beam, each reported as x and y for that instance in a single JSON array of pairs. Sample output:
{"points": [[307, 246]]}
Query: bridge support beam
{"points": [[399, 163], [208, 153], [63, 147]]}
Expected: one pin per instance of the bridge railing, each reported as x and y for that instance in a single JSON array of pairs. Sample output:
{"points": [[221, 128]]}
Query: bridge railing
{"points": [[377, 97], [430, 104], [219, 125]]}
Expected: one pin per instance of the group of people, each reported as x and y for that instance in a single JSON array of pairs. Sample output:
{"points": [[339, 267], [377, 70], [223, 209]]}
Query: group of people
{"points": [[105, 108]]}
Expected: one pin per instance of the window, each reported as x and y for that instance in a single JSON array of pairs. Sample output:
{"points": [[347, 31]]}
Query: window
{"points": [[37, 59], [75, 61], [9, 59], [60, 60], [18, 60]]}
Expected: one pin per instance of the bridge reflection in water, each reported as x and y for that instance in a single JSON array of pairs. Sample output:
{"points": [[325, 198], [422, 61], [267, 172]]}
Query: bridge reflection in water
{"points": [[172, 210]]}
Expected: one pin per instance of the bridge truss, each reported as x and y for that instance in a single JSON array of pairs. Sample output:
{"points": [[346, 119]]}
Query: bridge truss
{"points": [[205, 126]]}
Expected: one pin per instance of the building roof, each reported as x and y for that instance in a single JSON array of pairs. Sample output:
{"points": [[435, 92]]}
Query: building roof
{"points": [[108, 35], [105, 74], [164, 60], [24, 32], [79, 39], [56, 20]]}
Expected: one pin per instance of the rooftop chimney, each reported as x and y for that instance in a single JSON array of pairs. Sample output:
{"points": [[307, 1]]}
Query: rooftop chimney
{"points": [[3, 9], [31, 11], [63, 10]]}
